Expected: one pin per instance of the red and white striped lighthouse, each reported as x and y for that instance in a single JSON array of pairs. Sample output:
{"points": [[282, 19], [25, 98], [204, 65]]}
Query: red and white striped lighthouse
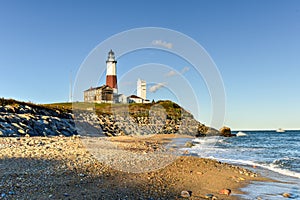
{"points": [[111, 71]]}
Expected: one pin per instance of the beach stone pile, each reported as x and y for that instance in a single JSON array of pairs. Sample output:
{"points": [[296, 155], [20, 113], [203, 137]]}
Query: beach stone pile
{"points": [[24, 120]]}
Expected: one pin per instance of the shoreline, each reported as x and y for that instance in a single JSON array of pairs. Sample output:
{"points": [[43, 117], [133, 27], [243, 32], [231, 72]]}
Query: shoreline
{"points": [[63, 167]]}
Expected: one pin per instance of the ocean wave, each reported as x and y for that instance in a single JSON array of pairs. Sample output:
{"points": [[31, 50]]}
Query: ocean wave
{"points": [[287, 163], [266, 150], [240, 133], [286, 172], [272, 167], [211, 147], [208, 140], [285, 159]]}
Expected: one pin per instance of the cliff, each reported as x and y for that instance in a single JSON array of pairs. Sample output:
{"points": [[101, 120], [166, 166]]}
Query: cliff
{"points": [[164, 117]]}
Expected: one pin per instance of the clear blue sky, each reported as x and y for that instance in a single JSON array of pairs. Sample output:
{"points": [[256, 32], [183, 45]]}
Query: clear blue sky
{"points": [[255, 45]]}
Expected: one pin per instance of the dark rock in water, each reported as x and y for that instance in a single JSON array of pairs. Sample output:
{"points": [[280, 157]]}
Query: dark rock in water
{"points": [[189, 144], [226, 132]]}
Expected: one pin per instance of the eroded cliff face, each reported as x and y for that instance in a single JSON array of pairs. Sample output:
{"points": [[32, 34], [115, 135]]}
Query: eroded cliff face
{"points": [[115, 125], [21, 119]]}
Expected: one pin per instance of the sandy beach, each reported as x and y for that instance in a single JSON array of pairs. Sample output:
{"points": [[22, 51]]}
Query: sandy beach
{"points": [[64, 168]]}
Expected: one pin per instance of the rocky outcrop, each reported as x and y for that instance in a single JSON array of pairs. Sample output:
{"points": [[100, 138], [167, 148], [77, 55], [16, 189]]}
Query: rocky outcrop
{"points": [[21, 120]]}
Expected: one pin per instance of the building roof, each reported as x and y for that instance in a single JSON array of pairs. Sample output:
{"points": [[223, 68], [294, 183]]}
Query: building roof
{"points": [[118, 95], [98, 88], [134, 96]]}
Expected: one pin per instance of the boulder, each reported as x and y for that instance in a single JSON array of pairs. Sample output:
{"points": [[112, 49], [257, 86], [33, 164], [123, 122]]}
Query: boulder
{"points": [[21, 131], [9, 108], [21, 110], [2, 109], [226, 132]]}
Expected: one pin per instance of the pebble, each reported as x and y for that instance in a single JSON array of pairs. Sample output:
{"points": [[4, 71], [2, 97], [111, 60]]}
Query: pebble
{"points": [[66, 194], [209, 196], [185, 194], [225, 191], [286, 195], [3, 195]]}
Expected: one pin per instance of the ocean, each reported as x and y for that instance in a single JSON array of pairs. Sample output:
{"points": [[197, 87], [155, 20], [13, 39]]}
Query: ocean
{"points": [[270, 153]]}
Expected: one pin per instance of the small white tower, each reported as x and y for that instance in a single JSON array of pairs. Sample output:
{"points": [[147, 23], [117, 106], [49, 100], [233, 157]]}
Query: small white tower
{"points": [[141, 89], [111, 72]]}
